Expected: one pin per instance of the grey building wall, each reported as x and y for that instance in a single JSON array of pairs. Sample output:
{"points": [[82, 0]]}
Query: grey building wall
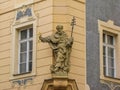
{"points": [[104, 10]]}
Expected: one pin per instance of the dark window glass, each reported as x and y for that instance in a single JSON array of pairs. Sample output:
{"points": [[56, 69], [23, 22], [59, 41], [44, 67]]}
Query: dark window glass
{"points": [[23, 46], [110, 39], [30, 56], [23, 57], [22, 67], [31, 32], [23, 34], [104, 38], [104, 50], [30, 45], [30, 66]]}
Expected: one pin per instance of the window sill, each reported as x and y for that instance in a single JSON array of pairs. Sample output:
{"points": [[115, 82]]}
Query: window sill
{"points": [[22, 75], [111, 79]]}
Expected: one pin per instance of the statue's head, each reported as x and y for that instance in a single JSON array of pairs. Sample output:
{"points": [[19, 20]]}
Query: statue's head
{"points": [[59, 27]]}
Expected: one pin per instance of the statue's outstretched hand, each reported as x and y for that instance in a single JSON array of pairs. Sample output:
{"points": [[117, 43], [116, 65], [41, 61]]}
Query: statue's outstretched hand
{"points": [[44, 39], [41, 38]]}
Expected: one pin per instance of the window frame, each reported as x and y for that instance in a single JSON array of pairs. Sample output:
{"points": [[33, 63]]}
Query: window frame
{"points": [[14, 59], [109, 27], [21, 41], [107, 45]]}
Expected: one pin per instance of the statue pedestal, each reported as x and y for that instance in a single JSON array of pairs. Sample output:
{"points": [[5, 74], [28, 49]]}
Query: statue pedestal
{"points": [[60, 82], [60, 74]]}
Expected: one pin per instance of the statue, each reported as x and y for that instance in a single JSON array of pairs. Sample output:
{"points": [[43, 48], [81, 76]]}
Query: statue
{"points": [[61, 46]]}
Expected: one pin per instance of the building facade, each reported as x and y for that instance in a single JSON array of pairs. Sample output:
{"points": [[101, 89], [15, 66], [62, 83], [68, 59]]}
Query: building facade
{"points": [[102, 40], [92, 29], [24, 60]]}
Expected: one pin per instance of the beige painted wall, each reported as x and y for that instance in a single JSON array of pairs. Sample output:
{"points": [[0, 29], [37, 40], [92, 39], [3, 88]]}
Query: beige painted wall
{"points": [[49, 13]]}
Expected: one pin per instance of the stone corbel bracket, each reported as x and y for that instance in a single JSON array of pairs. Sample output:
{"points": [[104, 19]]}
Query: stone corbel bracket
{"points": [[59, 83]]}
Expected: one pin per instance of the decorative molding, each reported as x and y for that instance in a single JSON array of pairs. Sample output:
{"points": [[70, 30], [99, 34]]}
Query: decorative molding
{"points": [[22, 82], [4, 12], [22, 13], [110, 85], [109, 24]]}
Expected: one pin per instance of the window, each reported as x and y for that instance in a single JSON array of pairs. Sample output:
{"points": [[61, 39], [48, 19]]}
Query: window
{"points": [[25, 50], [23, 45], [109, 54], [109, 39], [23, 61]]}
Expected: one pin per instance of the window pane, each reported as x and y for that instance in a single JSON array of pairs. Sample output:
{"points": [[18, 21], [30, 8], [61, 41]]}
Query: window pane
{"points": [[104, 61], [104, 50], [23, 57], [30, 56], [111, 72], [30, 66], [23, 68], [23, 34], [104, 38], [30, 45], [104, 70], [23, 46], [110, 62], [110, 39], [31, 32], [110, 52]]}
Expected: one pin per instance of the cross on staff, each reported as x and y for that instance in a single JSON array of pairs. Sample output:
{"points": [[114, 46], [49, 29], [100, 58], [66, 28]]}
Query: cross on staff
{"points": [[72, 24]]}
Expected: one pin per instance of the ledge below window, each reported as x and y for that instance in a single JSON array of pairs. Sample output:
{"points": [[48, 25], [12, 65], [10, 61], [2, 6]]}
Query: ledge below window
{"points": [[110, 79], [22, 75]]}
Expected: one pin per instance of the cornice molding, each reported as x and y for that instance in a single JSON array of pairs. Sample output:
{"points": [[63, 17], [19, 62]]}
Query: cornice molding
{"points": [[14, 9]]}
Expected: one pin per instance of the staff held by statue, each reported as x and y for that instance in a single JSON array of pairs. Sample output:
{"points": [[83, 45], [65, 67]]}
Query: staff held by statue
{"points": [[72, 24]]}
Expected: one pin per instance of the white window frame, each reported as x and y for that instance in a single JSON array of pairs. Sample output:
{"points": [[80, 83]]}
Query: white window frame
{"points": [[14, 74], [17, 25], [110, 28], [106, 51], [19, 42]]}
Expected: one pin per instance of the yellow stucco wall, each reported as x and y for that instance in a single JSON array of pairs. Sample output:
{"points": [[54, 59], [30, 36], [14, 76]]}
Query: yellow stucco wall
{"points": [[49, 13]]}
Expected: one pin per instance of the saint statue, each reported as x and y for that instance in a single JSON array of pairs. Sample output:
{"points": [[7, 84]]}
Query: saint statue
{"points": [[61, 46]]}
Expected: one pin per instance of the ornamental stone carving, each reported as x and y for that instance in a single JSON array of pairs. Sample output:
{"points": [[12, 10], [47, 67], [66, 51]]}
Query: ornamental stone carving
{"points": [[61, 45], [25, 12]]}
